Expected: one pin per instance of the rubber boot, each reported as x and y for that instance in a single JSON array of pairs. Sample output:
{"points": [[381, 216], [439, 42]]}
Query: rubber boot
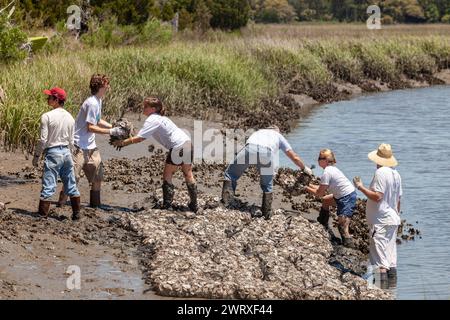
{"points": [[62, 199], [95, 201], [192, 189], [227, 193], [168, 193], [75, 202], [44, 208], [392, 278], [384, 281], [266, 207], [324, 216]]}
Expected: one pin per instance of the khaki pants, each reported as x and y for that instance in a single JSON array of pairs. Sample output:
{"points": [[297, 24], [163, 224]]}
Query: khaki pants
{"points": [[90, 162]]}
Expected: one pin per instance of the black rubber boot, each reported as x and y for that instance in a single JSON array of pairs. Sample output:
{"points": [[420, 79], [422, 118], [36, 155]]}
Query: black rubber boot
{"points": [[227, 193], [95, 201], [75, 202], [384, 283], [324, 216], [168, 193], [266, 207], [192, 189], [392, 278]]}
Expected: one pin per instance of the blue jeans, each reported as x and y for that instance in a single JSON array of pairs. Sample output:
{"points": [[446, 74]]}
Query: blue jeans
{"points": [[58, 161], [262, 157]]}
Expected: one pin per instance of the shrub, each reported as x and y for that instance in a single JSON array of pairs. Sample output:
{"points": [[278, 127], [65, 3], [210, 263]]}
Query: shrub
{"points": [[11, 38]]}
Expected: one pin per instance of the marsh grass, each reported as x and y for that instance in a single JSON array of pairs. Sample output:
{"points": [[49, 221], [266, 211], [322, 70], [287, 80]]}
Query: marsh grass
{"points": [[235, 76]]}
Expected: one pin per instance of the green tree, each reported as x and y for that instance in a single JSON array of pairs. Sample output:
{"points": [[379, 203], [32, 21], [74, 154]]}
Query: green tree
{"points": [[275, 11], [229, 14], [11, 38]]}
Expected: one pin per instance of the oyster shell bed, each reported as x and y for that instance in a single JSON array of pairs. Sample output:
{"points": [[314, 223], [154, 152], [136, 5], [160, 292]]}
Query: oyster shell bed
{"points": [[227, 254]]}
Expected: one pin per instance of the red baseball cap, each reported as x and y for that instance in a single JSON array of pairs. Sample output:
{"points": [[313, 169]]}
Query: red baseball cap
{"points": [[59, 93]]}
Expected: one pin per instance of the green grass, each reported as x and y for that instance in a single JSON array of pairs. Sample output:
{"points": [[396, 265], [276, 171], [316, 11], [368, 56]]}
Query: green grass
{"points": [[195, 78]]}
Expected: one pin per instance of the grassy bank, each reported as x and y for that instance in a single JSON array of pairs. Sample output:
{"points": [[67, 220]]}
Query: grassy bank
{"points": [[239, 78]]}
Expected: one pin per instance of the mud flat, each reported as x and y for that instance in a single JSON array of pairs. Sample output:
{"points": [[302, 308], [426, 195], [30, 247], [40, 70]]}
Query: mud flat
{"points": [[132, 249]]}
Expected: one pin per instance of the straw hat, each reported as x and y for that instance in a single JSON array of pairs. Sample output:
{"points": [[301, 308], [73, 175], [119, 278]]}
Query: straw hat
{"points": [[383, 156]]}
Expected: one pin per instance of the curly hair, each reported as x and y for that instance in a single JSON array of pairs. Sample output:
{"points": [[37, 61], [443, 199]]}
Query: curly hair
{"points": [[98, 81]]}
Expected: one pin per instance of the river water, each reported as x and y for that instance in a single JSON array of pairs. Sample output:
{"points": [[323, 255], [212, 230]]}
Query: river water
{"points": [[416, 123]]}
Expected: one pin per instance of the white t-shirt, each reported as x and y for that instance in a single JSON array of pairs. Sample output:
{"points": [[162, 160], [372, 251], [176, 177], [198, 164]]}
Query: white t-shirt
{"points": [[270, 139], [388, 182], [90, 112], [164, 131], [337, 182], [57, 129]]}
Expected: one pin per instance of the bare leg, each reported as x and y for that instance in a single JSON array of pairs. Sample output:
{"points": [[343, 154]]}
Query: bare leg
{"points": [[187, 171], [169, 171]]}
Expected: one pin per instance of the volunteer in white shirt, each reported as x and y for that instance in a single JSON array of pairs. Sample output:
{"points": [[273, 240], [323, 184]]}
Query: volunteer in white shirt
{"points": [[56, 140], [180, 154], [342, 195], [86, 155], [262, 149], [383, 211]]}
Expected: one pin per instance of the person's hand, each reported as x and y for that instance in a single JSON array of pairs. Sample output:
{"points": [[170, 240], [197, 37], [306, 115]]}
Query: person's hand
{"points": [[118, 144], [35, 161], [117, 132], [357, 182], [308, 171]]}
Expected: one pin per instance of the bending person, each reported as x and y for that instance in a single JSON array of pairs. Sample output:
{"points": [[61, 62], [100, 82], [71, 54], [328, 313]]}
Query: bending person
{"points": [[262, 149], [342, 195], [180, 154]]}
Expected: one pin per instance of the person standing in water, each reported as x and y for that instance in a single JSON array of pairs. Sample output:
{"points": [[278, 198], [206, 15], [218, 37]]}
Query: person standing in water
{"points": [[383, 211]]}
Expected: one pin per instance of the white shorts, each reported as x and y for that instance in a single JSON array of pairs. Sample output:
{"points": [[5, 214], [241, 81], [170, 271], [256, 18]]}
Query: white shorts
{"points": [[383, 246]]}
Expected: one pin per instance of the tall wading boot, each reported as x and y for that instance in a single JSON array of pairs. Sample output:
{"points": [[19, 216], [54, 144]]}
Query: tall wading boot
{"points": [[75, 202], [227, 193], [266, 207], [95, 201], [392, 278], [44, 208], [192, 189], [62, 199], [324, 216], [168, 193]]}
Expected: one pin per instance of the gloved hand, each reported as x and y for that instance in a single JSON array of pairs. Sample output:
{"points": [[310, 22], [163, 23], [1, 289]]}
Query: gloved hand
{"points": [[35, 161], [357, 182], [117, 132], [308, 171]]}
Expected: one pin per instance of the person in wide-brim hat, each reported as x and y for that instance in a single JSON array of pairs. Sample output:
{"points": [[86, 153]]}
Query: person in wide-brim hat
{"points": [[383, 213], [383, 156]]}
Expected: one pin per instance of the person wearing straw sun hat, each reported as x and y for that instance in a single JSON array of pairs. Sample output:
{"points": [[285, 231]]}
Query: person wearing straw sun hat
{"points": [[383, 211]]}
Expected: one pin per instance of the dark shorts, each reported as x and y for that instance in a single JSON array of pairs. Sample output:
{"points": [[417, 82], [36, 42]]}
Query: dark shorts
{"points": [[346, 205], [180, 156]]}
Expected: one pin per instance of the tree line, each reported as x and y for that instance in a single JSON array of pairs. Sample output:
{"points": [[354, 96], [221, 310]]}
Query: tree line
{"points": [[230, 14]]}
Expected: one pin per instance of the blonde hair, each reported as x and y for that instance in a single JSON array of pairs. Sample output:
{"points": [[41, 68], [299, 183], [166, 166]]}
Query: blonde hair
{"points": [[328, 155]]}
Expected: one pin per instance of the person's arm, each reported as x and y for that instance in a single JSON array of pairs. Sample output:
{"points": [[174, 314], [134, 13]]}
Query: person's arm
{"points": [[127, 142], [399, 205], [317, 191], [40, 147], [295, 158], [104, 124], [98, 129]]}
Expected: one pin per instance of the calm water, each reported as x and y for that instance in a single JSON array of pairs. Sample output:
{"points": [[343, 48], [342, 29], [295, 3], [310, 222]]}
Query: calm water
{"points": [[416, 123]]}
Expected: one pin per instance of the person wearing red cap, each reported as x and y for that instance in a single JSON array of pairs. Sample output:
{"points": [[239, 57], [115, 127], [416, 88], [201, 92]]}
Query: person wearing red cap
{"points": [[56, 140]]}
